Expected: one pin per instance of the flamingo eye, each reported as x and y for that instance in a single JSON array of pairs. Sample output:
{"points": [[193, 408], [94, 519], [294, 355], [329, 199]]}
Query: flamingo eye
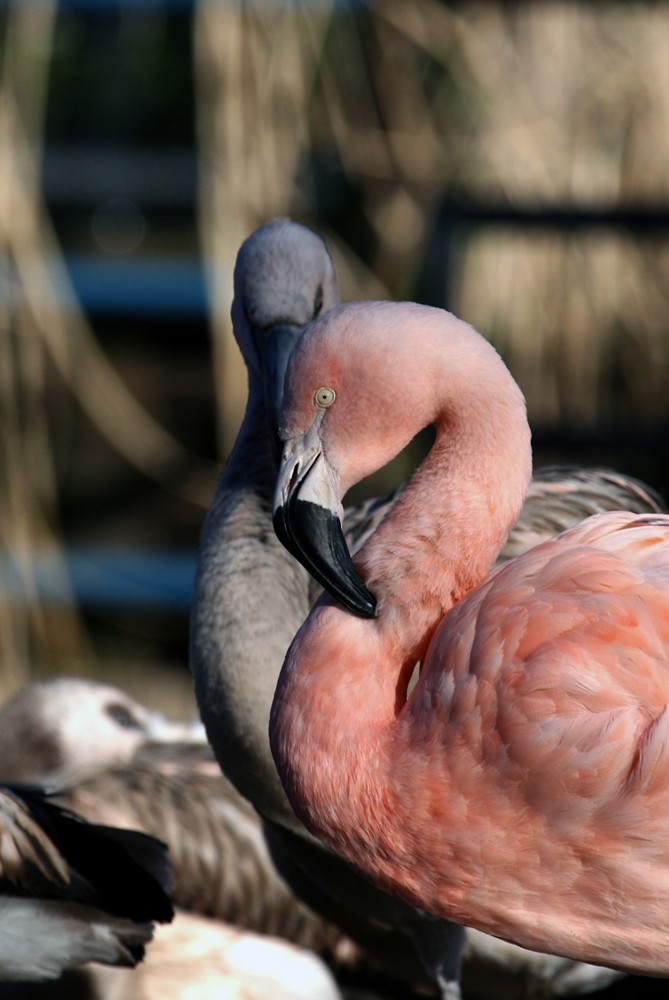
{"points": [[324, 397]]}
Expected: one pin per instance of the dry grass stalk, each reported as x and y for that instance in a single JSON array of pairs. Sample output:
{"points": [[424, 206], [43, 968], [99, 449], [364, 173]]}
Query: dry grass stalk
{"points": [[27, 478], [43, 327], [64, 331], [572, 105], [254, 63]]}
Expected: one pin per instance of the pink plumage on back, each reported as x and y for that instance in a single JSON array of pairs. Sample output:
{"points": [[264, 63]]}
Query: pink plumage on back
{"points": [[574, 726], [523, 787]]}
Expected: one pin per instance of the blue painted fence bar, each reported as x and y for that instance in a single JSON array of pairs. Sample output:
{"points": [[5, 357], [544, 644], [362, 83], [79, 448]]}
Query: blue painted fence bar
{"points": [[122, 578]]}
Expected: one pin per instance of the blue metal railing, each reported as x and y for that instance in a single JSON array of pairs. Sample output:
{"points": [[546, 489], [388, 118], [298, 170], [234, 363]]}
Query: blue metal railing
{"points": [[147, 286], [123, 578]]}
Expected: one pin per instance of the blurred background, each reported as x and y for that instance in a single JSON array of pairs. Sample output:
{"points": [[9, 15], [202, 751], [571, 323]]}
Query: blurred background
{"points": [[507, 161]]}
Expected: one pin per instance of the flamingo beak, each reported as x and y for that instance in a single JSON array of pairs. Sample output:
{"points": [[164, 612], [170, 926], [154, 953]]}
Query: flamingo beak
{"points": [[279, 342], [307, 522]]}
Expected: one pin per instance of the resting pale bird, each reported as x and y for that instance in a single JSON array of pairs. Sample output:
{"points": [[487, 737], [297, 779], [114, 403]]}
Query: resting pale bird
{"points": [[251, 597], [140, 775], [52, 729], [522, 788]]}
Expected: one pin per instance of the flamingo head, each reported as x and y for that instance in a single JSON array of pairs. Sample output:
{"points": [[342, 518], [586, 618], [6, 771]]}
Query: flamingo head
{"points": [[307, 520], [362, 380], [284, 277], [357, 390]]}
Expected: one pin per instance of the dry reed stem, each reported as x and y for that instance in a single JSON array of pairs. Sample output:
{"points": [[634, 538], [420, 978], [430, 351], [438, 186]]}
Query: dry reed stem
{"points": [[42, 325], [28, 488], [527, 104], [64, 330], [254, 65], [573, 110]]}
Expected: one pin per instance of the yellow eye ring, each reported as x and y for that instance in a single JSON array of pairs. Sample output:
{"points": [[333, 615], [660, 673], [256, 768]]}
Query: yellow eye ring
{"points": [[324, 397]]}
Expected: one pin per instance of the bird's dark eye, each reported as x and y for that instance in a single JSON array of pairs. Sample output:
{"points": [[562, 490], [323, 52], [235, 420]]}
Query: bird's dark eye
{"points": [[318, 302], [122, 716]]}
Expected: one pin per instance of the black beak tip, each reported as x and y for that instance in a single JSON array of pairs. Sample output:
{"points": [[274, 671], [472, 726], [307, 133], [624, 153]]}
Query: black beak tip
{"points": [[367, 605], [314, 537]]}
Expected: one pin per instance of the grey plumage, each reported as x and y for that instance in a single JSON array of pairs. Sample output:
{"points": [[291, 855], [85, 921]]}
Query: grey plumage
{"points": [[73, 892], [559, 497], [220, 864], [171, 788], [562, 495], [250, 596]]}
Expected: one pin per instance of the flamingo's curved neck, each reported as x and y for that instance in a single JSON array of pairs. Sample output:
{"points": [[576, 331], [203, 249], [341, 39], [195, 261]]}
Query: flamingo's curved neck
{"points": [[446, 529], [344, 681]]}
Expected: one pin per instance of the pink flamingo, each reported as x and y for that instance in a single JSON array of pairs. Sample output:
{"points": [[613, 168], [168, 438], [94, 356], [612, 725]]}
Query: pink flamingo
{"points": [[250, 598], [523, 786]]}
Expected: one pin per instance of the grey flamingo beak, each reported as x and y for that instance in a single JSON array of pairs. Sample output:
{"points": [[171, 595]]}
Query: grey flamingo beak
{"points": [[278, 342], [307, 523]]}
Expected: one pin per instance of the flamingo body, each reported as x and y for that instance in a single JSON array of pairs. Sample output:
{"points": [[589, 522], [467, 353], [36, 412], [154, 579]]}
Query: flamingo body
{"points": [[522, 788], [572, 722]]}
